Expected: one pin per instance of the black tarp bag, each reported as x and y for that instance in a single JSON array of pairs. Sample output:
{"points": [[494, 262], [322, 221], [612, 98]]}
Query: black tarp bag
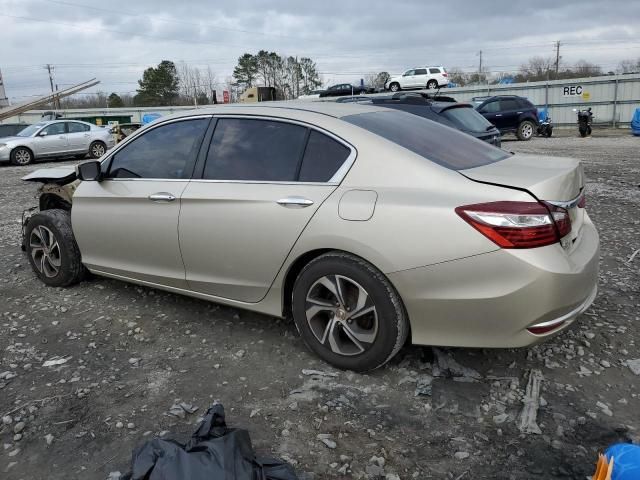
{"points": [[214, 452]]}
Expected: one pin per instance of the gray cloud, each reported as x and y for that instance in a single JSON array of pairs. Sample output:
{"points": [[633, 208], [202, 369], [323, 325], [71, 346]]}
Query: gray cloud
{"points": [[85, 39]]}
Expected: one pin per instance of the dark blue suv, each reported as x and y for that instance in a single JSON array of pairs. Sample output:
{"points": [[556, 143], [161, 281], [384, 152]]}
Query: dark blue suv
{"points": [[509, 113]]}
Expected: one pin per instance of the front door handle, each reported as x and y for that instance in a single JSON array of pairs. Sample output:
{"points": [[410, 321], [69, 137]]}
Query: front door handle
{"points": [[295, 202], [161, 197], [498, 114]]}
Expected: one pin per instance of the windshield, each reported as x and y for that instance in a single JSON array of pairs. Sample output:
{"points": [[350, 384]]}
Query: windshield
{"points": [[443, 145], [466, 118], [27, 132]]}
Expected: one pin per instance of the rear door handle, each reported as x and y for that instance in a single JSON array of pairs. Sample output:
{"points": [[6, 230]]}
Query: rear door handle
{"points": [[498, 114], [295, 202], [161, 197], [518, 112]]}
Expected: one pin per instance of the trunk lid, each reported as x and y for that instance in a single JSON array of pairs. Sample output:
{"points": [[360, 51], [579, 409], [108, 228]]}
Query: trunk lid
{"points": [[555, 180]]}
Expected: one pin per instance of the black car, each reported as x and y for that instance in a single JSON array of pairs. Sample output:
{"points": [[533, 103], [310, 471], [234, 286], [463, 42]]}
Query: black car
{"points": [[509, 113], [346, 89], [444, 110], [11, 129]]}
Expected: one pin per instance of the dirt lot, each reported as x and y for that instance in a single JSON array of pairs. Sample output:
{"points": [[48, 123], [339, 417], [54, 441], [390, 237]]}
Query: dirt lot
{"points": [[134, 351]]}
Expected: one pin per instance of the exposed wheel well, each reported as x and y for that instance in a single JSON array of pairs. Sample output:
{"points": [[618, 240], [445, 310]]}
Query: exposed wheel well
{"points": [[49, 201]]}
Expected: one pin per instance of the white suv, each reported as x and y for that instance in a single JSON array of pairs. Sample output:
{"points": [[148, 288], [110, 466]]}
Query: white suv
{"points": [[419, 77]]}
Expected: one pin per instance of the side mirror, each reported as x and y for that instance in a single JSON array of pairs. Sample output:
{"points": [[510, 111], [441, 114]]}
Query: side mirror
{"points": [[43, 133], [89, 171]]}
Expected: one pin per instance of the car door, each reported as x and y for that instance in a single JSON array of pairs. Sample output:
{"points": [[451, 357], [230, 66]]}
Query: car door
{"points": [[127, 224], [259, 188], [407, 80], [510, 110], [491, 111], [78, 137], [51, 140], [421, 77]]}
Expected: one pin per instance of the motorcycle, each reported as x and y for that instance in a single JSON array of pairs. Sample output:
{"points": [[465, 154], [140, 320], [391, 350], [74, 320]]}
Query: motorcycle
{"points": [[585, 118], [545, 127]]}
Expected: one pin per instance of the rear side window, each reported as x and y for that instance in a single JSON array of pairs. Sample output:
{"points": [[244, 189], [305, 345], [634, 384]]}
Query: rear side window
{"points": [[524, 103], [167, 151], [466, 118], [434, 70], [75, 127], [442, 145], [322, 158], [258, 150], [509, 104]]}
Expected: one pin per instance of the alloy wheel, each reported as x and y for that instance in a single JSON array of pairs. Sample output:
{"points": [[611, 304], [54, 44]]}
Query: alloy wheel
{"points": [[341, 315], [527, 130], [45, 251], [97, 150], [22, 157]]}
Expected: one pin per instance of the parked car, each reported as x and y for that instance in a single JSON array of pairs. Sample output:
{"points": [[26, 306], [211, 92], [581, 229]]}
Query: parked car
{"points": [[11, 129], [445, 110], [369, 226], [419, 77], [509, 113], [346, 89], [57, 138]]}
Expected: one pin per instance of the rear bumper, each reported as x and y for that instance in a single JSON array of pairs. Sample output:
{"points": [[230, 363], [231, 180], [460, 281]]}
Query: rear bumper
{"points": [[490, 300]]}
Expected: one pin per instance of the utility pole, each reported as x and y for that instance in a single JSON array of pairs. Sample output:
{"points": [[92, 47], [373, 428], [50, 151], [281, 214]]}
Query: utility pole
{"points": [[56, 103], [557, 57], [480, 66], [297, 66]]}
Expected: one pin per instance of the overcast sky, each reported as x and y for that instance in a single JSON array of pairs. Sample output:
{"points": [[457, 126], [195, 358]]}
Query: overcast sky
{"points": [[116, 41]]}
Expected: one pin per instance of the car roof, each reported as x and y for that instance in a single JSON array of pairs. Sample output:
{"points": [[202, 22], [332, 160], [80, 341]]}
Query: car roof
{"points": [[331, 109]]}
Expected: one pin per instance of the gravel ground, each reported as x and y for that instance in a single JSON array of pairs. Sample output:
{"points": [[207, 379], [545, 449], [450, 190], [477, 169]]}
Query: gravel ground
{"points": [[132, 352]]}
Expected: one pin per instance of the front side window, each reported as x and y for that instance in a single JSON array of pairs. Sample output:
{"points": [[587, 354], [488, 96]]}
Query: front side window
{"points": [[322, 158], [255, 150], [509, 104], [55, 129], [491, 107], [166, 152], [75, 127], [445, 146], [409, 73]]}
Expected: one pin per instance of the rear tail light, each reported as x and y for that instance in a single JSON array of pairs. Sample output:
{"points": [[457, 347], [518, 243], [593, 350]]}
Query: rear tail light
{"points": [[445, 74], [518, 224]]}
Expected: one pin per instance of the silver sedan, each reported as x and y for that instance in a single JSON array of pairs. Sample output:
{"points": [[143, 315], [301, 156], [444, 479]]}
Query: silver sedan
{"points": [[58, 138], [369, 226]]}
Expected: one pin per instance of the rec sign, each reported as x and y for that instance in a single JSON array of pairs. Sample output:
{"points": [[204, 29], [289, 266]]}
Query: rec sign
{"points": [[572, 91]]}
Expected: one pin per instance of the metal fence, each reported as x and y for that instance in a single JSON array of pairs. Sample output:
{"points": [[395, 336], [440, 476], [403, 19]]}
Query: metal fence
{"points": [[613, 98]]}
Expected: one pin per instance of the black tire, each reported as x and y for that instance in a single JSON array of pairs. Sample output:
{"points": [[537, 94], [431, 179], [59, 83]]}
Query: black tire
{"points": [[548, 132], [588, 130], [432, 84], [583, 132], [59, 264], [525, 130], [97, 149], [387, 322], [395, 87], [21, 156]]}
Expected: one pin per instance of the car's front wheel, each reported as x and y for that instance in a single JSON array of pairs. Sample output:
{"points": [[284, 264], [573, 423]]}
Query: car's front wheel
{"points": [[97, 149], [52, 249], [394, 87], [348, 313], [525, 130], [21, 156]]}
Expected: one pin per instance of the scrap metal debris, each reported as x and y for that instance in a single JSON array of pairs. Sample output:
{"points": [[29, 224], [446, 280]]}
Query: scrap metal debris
{"points": [[181, 409], [423, 385], [527, 419], [319, 373], [447, 366], [56, 361]]}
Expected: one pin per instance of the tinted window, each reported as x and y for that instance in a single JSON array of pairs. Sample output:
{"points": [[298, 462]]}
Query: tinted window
{"points": [[27, 132], [166, 151], [491, 107], [261, 150], [434, 70], [421, 71], [442, 145], [509, 104], [55, 129], [75, 127], [322, 158], [466, 118]]}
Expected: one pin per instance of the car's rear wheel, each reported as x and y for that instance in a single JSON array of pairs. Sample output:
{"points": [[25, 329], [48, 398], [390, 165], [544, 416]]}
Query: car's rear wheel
{"points": [[21, 156], [52, 249], [97, 149], [394, 87], [348, 313], [432, 84], [525, 130]]}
